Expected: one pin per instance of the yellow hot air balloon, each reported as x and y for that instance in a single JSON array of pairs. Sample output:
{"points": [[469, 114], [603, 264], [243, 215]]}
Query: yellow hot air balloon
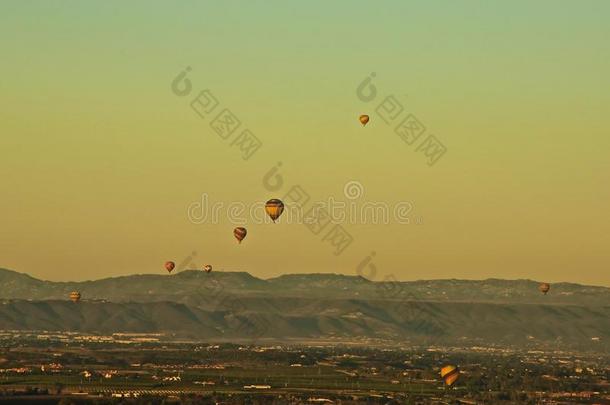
{"points": [[74, 296], [240, 233], [364, 119], [207, 268], [450, 374], [544, 288], [274, 208]]}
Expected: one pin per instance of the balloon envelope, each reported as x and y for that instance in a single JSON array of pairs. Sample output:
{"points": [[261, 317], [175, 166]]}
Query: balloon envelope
{"points": [[450, 374], [274, 208], [74, 296], [240, 233], [364, 119], [169, 266], [207, 268], [544, 288]]}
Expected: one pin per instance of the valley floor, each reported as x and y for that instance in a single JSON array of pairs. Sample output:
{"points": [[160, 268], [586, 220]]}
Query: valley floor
{"points": [[52, 370]]}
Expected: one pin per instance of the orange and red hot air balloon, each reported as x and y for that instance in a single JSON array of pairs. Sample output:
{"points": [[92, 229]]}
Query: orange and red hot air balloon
{"points": [[240, 233], [274, 208], [450, 374], [364, 119], [74, 296], [544, 288], [169, 266]]}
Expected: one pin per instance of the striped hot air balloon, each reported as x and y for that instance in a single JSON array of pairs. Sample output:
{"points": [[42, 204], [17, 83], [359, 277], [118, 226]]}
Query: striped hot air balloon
{"points": [[207, 268], [450, 374], [544, 288], [74, 296], [274, 208], [240, 233]]}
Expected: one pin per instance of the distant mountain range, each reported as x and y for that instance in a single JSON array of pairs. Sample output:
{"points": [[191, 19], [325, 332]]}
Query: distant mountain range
{"points": [[234, 305], [189, 285]]}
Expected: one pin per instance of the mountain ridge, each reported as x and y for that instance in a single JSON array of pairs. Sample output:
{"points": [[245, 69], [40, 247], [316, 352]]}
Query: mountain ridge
{"points": [[187, 284], [182, 286], [296, 275]]}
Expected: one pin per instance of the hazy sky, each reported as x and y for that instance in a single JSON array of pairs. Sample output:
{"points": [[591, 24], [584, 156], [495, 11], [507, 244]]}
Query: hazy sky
{"points": [[100, 160]]}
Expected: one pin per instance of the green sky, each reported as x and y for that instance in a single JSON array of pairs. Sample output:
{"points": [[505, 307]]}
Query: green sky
{"points": [[100, 160]]}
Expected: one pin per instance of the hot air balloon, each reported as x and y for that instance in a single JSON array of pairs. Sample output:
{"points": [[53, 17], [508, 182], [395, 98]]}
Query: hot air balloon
{"points": [[240, 233], [207, 268], [364, 119], [169, 266], [450, 374], [274, 208], [544, 288], [74, 296]]}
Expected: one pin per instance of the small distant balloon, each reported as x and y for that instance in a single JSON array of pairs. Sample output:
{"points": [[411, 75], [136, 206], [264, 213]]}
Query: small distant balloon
{"points": [[364, 119], [207, 268], [169, 266], [274, 208], [544, 288], [74, 296], [240, 233], [450, 374]]}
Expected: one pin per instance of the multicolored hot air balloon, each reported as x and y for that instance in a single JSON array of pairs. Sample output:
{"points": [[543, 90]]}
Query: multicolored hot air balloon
{"points": [[274, 208], [364, 119], [450, 374], [240, 233], [74, 296], [169, 266], [207, 268], [544, 288]]}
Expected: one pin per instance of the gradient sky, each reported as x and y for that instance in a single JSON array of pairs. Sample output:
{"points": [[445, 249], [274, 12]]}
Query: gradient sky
{"points": [[100, 160]]}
